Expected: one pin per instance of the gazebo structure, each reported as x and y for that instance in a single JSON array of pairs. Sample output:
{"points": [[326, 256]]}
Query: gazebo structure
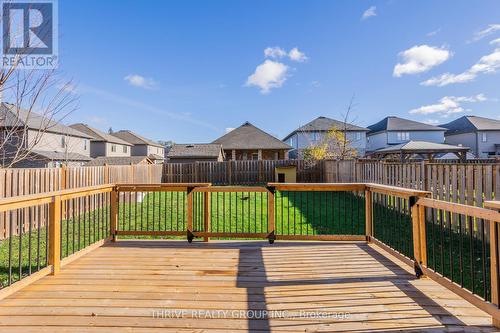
{"points": [[428, 150]]}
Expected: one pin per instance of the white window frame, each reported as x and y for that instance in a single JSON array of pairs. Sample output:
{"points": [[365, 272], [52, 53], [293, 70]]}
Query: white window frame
{"points": [[403, 136], [113, 148], [484, 137]]}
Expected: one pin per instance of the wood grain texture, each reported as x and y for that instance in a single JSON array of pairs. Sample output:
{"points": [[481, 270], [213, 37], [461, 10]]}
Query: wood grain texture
{"points": [[121, 286]]}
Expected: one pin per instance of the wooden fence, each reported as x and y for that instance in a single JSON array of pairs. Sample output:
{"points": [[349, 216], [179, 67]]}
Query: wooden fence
{"points": [[238, 172], [470, 183], [19, 182]]}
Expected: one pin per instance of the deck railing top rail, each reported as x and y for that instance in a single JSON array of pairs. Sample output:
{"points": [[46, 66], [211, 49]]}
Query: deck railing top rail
{"points": [[492, 204], [24, 201]]}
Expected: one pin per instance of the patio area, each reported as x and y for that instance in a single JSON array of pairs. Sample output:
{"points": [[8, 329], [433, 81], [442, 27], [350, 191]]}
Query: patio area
{"points": [[172, 286]]}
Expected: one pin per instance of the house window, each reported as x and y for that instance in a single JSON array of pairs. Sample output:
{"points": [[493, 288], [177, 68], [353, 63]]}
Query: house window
{"points": [[84, 144], [113, 148], [403, 136], [291, 141], [255, 156], [484, 137], [314, 136], [125, 149], [358, 136], [63, 142]]}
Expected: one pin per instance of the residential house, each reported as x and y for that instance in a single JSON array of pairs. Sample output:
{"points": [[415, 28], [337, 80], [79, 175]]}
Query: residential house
{"points": [[248, 142], [142, 146], [104, 144], [314, 132], [394, 131], [185, 153], [481, 134], [42, 142]]}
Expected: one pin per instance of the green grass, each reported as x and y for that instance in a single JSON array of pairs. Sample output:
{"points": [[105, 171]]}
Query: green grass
{"points": [[296, 213]]}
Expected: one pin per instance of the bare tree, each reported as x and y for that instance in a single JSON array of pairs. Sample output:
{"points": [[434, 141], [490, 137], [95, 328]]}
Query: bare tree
{"points": [[32, 102], [336, 143]]}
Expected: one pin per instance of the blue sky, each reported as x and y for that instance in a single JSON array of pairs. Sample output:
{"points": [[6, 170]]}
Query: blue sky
{"points": [[187, 70]]}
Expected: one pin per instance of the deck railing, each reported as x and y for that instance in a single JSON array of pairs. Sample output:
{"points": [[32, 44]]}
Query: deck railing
{"points": [[455, 244]]}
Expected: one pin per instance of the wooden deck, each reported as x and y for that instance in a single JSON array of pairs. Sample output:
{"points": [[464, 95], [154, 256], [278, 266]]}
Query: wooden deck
{"points": [[200, 287]]}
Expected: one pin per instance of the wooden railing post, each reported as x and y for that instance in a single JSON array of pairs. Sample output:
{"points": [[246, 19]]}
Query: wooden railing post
{"points": [[416, 232], [494, 267], [270, 214], [368, 215], [55, 234], [189, 222], [494, 261], [114, 214], [206, 215]]}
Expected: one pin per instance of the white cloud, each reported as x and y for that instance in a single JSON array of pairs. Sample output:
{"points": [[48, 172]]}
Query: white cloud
{"points": [[487, 64], [296, 55], [68, 87], [495, 41], [274, 52], [419, 59], [431, 121], [492, 28], [268, 75], [277, 52], [372, 11], [433, 33], [229, 129], [448, 105], [140, 81], [315, 84]]}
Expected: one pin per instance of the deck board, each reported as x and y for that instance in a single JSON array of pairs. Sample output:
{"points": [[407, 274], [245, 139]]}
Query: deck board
{"points": [[118, 287]]}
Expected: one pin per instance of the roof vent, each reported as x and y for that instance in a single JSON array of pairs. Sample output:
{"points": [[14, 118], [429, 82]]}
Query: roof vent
{"points": [[190, 146]]}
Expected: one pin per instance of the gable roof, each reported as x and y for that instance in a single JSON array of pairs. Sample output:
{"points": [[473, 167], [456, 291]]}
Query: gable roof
{"points": [[97, 135], [11, 116], [324, 124], [393, 123], [468, 124], [118, 160], [135, 138], [247, 136], [421, 146], [195, 150]]}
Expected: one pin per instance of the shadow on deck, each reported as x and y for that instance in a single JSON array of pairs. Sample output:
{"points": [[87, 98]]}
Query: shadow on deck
{"points": [[171, 286]]}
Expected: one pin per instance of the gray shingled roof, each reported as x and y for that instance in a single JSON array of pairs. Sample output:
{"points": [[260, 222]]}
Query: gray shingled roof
{"points": [[135, 138], [468, 124], [60, 156], [392, 123], [247, 136], [117, 160], [99, 136], [10, 116], [195, 150], [420, 146], [324, 124]]}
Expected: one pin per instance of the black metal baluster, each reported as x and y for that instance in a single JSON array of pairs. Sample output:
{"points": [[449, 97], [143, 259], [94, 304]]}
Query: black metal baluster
{"points": [[30, 228], [471, 250], [460, 250]]}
